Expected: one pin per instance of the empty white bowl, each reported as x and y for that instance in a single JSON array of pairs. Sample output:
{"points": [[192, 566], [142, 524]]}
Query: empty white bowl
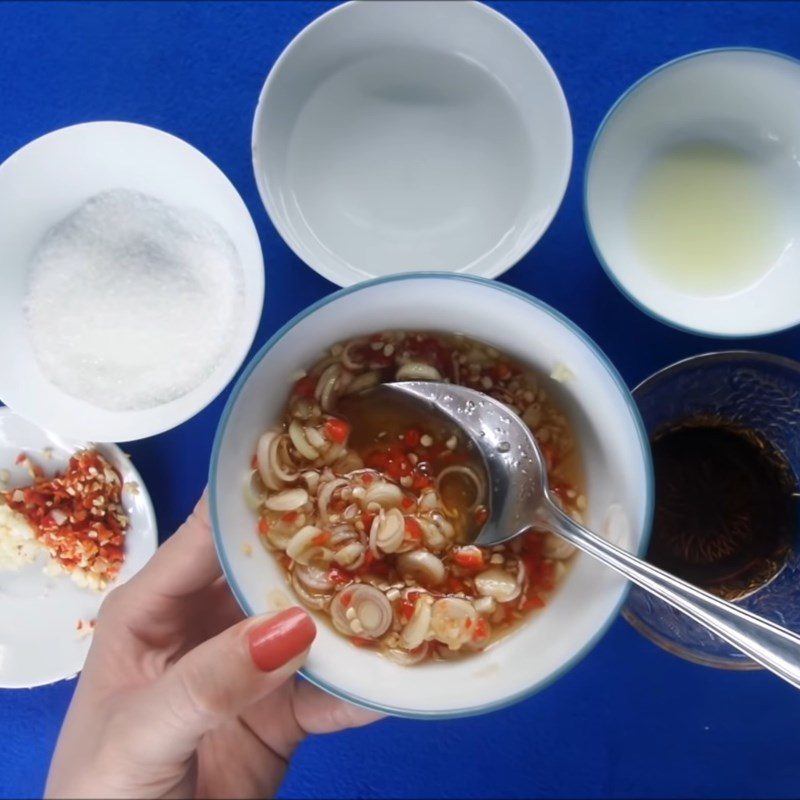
{"points": [[607, 426], [742, 99], [398, 136], [51, 177]]}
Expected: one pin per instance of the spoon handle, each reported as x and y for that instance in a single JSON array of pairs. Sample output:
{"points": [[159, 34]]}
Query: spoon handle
{"points": [[773, 647]]}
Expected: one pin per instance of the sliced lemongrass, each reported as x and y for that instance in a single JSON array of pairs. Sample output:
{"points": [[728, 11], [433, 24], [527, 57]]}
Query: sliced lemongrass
{"points": [[287, 500]]}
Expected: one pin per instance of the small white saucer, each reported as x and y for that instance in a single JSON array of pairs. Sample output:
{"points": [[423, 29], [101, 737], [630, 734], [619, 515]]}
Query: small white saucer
{"points": [[39, 614]]}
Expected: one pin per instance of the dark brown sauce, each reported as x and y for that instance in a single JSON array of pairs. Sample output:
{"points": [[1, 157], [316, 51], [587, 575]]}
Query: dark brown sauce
{"points": [[725, 506]]}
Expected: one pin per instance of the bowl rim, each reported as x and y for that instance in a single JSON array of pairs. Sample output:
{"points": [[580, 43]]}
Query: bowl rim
{"points": [[604, 263], [540, 305], [498, 266], [219, 379], [713, 356]]}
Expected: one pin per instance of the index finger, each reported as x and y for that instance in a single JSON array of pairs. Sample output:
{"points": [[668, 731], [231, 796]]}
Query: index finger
{"points": [[186, 563]]}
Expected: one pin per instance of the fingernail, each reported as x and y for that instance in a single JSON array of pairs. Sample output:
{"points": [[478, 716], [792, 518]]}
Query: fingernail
{"points": [[280, 638]]}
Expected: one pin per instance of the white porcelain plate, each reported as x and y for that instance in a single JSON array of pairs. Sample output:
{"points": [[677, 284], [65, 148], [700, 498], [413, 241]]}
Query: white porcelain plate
{"points": [[39, 614], [48, 179]]}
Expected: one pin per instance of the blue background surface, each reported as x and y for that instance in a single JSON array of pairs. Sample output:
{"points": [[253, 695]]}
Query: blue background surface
{"points": [[628, 721]]}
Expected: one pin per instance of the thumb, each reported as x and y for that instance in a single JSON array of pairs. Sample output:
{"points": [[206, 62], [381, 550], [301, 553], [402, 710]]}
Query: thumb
{"points": [[216, 681]]}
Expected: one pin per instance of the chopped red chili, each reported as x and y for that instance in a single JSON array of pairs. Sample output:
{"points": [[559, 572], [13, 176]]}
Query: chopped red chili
{"points": [[469, 557], [340, 576], [454, 585], [481, 630], [405, 608], [412, 437], [305, 387], [322, 538], [337, 430], [413, 529], [533, 602], [78, 515]]}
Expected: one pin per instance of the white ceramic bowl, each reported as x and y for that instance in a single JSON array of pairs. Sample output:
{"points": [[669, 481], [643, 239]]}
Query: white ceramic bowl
{"points": [[617, 464], [398, 136], [47, 179], [742, 98]]}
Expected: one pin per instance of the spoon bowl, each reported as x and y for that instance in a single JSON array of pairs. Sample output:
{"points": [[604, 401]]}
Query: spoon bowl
{"points": [[515, 467]]}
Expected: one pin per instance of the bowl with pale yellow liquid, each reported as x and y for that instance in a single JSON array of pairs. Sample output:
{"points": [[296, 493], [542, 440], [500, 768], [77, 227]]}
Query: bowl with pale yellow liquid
{"points": [[692, 192]]}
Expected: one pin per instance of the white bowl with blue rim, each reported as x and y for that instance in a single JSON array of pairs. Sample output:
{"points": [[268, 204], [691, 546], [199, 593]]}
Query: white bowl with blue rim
{"points": [[406, 135], [607, 426], [744, 101]]}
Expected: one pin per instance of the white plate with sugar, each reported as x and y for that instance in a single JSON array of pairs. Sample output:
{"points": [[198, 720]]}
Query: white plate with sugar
{"points": [[45, 620], [133, 281]]}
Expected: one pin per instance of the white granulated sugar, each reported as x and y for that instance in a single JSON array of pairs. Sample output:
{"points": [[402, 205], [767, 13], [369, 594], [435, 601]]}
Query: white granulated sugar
{"points": [[132, 302]]}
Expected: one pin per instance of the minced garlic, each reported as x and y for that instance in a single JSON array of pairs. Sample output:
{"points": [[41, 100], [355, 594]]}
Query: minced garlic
{"points": [[18, 543]]}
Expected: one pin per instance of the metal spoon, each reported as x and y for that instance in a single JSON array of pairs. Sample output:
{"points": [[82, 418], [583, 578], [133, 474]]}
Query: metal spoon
{"points": [[520, 498]]}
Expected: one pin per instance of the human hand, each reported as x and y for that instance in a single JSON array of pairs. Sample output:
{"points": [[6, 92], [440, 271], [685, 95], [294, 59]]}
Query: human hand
{"points": [[181, 696]]}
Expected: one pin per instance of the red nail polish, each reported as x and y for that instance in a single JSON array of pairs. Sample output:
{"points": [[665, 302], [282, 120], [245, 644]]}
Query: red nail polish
{"points": [[280, 638]]}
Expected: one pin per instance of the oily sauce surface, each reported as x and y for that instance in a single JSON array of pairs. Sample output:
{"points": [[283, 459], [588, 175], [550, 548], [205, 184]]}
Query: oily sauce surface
{"points": [[725, 506], [385, 433]]}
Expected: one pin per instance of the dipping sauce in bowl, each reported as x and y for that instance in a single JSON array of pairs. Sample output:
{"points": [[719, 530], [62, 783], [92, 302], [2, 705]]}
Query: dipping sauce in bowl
{"points": [[726, 506], [370, 506], [726, 456]]}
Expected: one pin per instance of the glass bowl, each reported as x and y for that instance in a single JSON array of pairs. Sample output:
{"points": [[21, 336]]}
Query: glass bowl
{"points": [[760, 392]]}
